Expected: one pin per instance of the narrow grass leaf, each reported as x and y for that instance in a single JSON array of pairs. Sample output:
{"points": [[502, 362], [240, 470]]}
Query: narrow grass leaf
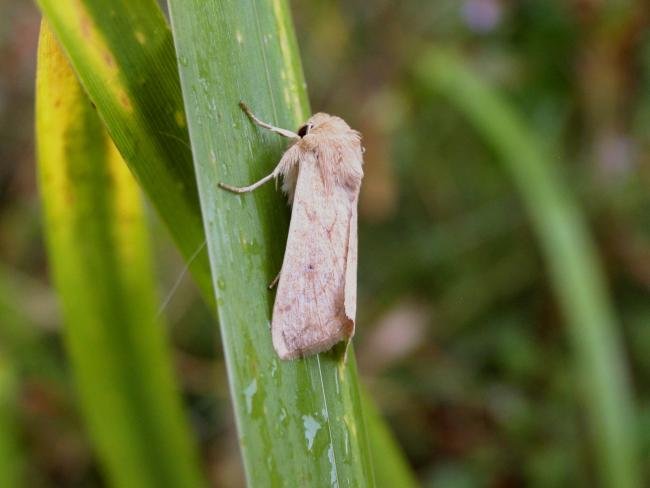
{"points": [[389, 462], [10, 458], [571, 259], [300, 422], [23, 343], [101, 267], [123, 54]]}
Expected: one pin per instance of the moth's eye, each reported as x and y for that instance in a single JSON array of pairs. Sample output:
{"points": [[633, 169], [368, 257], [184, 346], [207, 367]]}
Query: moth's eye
{"points": [[304, 130]]}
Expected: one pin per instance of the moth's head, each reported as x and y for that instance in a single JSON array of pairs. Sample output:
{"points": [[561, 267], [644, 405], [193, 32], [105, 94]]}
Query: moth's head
{"points": [[324, 124]]}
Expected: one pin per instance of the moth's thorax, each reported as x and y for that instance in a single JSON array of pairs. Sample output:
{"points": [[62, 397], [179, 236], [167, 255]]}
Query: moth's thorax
{"points": [[330, 144], [323, 124], [329, 131]]}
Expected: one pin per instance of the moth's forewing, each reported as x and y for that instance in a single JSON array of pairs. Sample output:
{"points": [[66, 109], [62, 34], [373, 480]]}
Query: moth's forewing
{"points": [[314, 307]]}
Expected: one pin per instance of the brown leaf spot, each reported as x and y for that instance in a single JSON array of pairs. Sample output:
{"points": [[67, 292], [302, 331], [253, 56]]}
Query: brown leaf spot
{"points": [[125, 101], [108, 59]]}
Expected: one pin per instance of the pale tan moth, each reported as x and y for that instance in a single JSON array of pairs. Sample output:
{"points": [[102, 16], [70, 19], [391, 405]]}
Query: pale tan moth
{"points": [[321, 171]]}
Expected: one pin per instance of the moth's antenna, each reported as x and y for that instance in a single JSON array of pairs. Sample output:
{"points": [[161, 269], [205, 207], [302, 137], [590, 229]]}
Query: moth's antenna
{"points": [[179, 280]]}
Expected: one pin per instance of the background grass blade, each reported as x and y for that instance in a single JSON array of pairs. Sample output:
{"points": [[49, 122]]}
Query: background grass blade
{"points": [[101, 267], [9, 453], [388, 461], [24, 345], [571, 259], [300, 422], [123, 54]]}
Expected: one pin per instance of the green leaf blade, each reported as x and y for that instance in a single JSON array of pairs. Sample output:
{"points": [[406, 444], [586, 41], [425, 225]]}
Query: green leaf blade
{"points": [[123, 53], [99, 252], [300, 422], [10, 457], [572, 260]]}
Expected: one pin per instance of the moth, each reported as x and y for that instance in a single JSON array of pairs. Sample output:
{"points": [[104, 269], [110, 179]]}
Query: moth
{"points": [[321, 171]]}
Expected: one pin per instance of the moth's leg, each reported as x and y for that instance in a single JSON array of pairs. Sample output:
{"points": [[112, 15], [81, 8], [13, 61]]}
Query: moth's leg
{"points": [[275, 280], [272, 128], [249, 188]]}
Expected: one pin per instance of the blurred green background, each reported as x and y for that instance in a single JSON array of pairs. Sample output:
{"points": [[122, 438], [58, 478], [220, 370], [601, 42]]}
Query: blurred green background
{"points": [[460, 337]]}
